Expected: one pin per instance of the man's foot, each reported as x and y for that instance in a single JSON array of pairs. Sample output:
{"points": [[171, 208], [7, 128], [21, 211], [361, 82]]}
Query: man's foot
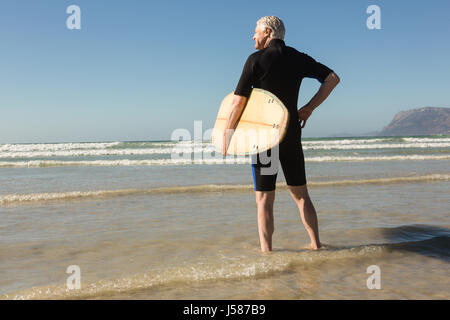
{"points": [[322, 246]]}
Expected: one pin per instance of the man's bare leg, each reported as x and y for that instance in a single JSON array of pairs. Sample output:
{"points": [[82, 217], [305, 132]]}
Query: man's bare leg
{"points": [[264, 204], [307, 213]]}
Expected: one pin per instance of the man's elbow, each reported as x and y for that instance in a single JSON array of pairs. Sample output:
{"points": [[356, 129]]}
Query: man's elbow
{"points": [[333, 78]]}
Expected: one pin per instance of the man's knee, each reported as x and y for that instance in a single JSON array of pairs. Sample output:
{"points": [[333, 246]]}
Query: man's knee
{"points": [[265, 198], [299, 192]]}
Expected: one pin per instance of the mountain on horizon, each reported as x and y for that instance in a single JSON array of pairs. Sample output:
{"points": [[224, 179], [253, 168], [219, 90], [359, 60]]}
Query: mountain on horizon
{"points": [[413, 122], [422, 121]]}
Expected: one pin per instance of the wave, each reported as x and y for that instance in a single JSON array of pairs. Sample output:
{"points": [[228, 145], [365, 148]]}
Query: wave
{"points": [[10, 199], [375, 146], [55, 146], [164, 147], [44, 147], [128, 144], [152, 144], [123, 162], [225, 269], [106, 152], [207, 161], [98, 150], [426, 139], [71, 195], [231, 268], [383, 140], [376, 158], [306, 141]]}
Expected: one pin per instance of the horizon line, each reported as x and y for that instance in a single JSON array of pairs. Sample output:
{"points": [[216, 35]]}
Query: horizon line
{"points": [[316, 137]]}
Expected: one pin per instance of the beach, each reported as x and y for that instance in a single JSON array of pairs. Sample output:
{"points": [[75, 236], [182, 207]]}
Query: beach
{"points": [[167, 220]]}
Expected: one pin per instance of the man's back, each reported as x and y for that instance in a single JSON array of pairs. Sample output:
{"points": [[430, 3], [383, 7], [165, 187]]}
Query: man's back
{"points": [[280, 70]]}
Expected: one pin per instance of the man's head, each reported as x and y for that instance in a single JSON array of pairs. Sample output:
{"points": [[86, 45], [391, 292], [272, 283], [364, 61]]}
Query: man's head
{"points": [[268, 28]]}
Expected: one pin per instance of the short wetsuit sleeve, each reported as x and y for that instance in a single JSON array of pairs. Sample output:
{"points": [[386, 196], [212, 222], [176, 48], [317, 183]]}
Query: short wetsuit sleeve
{"points": [[245, 84], [313, 69]]}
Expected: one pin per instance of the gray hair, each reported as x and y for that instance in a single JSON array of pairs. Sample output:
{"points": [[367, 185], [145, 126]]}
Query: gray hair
{"points": [[273, 23]]}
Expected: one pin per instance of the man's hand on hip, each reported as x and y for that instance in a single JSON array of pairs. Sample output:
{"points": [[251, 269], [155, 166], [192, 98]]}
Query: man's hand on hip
{"points": [[325, 89], [303, 114]]}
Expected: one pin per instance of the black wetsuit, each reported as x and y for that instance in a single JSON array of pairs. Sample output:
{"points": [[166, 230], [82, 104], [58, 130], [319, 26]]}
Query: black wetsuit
{"points": [[280, 70]]}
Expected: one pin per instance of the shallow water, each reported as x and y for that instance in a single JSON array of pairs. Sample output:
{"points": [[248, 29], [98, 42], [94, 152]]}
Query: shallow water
{"points": [[189, 231]]}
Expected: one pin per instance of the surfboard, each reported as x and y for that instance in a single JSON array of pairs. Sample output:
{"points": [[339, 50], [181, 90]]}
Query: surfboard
{"points": [[263, 124]]}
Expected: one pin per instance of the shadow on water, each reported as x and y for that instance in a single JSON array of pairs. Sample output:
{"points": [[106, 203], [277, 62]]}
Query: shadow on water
{"points": [[428, 240]]}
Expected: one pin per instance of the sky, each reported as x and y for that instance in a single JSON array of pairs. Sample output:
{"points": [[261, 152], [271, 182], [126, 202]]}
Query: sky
{"points": [[138, 70]]}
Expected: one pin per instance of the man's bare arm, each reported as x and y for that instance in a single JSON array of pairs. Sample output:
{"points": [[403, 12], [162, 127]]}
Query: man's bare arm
{"points": [[325, 89], [237, 107]]}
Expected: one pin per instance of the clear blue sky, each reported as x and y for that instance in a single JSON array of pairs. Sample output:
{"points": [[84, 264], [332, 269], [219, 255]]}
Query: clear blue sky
{"points": [[137, 70]]}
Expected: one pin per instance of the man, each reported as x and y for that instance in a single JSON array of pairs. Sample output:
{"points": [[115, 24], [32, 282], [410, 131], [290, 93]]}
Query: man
{"points": [[279, 69]]}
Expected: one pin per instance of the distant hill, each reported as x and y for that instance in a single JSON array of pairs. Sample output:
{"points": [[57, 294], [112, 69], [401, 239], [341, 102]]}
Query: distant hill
{"points": [[423, 121]]}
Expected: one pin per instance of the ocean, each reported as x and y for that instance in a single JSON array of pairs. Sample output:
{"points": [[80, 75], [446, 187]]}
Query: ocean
{"points": [[175, 220]]}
